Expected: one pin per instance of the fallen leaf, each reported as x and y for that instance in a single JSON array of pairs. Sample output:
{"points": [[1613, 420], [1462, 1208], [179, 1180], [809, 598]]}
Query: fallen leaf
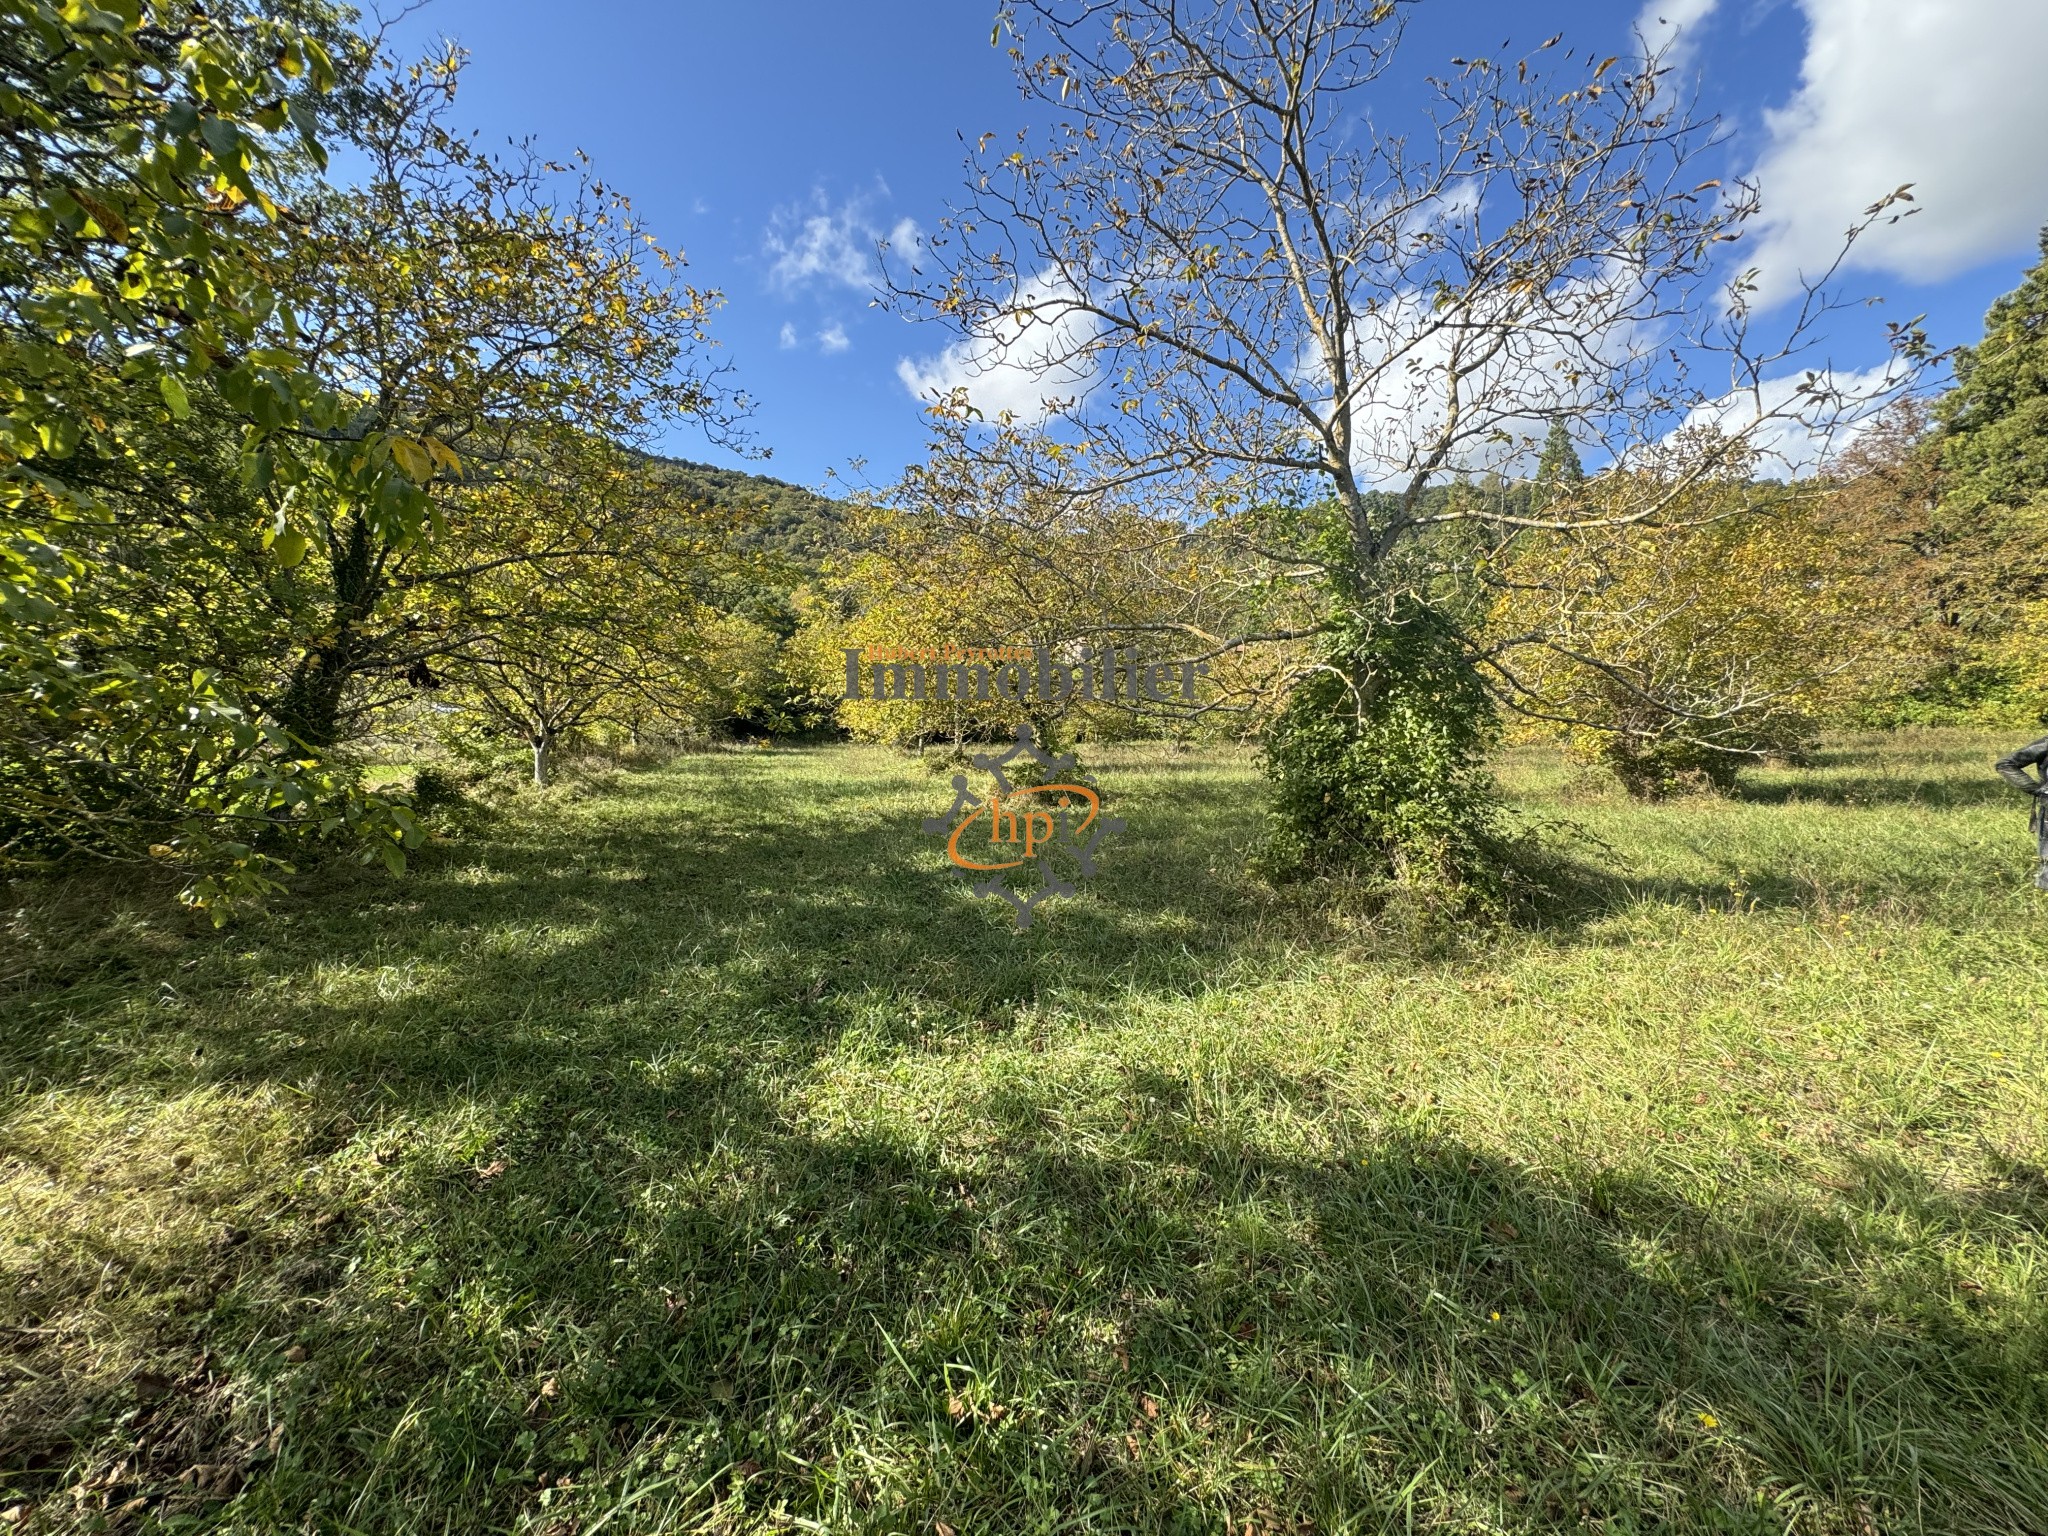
{"points": [[1150, 1405], [296, 1353], [485, 1174], [150, 1387]]}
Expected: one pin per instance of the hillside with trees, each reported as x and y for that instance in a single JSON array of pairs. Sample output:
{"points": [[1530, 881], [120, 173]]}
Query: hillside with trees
{"points": [[787, 520]]}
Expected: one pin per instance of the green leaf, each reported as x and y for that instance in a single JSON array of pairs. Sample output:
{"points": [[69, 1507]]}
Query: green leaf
{"points": [[172, 388]]}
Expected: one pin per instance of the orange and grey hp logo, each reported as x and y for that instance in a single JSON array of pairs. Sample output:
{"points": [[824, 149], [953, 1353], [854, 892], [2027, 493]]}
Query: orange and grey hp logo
{"points": [[1034, 835]]}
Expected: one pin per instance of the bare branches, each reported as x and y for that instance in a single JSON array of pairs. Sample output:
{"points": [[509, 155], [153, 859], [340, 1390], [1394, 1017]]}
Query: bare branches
{"points": [[1236, 289]]}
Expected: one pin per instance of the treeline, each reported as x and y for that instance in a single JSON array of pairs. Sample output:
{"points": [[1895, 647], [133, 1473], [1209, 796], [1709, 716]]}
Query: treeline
{"points": [[1906, 583], [291, 465], [288, 459]]}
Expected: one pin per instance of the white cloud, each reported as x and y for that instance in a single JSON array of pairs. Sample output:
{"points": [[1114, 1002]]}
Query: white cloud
{"points": [[906, 243], [1443, 211], [1020, 364], [788, 335], [1559, 349], [1562, 350], [833, 339], [1798, 421], [1674, 27], [839, 245], [1945, 94]]}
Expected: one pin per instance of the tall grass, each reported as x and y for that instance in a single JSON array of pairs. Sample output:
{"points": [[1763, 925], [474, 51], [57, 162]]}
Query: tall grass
{"points": [[688, 1152]]}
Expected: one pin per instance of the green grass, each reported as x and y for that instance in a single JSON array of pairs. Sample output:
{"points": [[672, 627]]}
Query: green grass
{"points": [[687, 1152]]}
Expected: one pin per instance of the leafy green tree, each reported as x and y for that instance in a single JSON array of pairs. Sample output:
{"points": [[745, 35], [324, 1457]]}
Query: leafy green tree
{"points": [[143, 151], [499, 315], [1995, 421], [585, 598], [271, 441], [1991, 523]]}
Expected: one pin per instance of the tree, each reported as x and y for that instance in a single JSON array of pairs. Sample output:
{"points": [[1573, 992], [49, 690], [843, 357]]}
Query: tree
{"points": [[513, 312], [1682, 650], [1558, 470], [956, 558], [585, 597], [271, 440], [143, 155], [1991, 522], [1235, 292], [1995, 421]]}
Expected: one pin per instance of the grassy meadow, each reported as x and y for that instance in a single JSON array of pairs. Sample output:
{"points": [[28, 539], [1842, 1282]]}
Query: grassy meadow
{"points": [[683, 1150]]}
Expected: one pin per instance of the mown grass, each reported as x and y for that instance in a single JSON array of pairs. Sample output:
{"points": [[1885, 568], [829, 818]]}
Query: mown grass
{"points": [[687, 1152]]}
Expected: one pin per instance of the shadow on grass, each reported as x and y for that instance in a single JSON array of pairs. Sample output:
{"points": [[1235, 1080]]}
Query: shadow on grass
{"points": [[570, 1234], [1877, 790], [679, 1298]]}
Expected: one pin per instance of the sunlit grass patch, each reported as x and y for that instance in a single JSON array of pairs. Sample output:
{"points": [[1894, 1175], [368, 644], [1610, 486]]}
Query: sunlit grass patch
{"points": [[697, 1154]]}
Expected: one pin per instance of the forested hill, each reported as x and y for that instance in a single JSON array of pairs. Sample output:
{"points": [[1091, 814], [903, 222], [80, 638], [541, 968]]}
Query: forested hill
{"points": [[799, 523]]}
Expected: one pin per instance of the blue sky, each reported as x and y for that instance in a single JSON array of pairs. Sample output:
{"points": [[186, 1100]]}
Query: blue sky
{"points": [[771, 140]]}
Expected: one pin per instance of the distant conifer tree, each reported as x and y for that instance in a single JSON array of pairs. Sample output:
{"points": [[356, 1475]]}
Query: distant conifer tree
{"points": [[1559, 466]]}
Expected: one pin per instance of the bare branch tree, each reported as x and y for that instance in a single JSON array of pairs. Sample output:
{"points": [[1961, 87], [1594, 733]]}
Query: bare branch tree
{"points": [[1231, 286]]}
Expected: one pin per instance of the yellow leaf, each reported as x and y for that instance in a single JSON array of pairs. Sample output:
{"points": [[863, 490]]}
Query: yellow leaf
{"points": [[414, 460]]}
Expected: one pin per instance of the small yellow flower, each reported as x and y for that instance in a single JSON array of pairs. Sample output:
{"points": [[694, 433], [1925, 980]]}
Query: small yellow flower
{"points": [[1710, 1421], [1496, 1317]]}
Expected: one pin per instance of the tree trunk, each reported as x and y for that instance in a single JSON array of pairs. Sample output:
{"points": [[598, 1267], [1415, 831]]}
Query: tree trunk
{"points": [[310, 707], [542, 742]]}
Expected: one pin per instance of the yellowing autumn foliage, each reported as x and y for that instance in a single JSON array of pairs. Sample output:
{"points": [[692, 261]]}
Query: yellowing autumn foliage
{"points": [[1678, 651], [953, 570]]}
